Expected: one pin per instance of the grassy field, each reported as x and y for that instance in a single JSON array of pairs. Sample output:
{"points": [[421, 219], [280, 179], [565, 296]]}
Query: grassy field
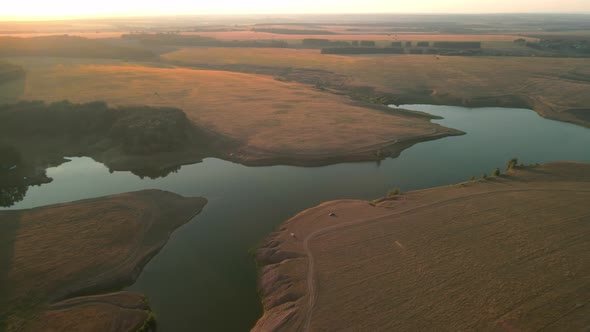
{"points": [[268, 118], [61, 251], [495, 254], [551, 86], [70, 46]]}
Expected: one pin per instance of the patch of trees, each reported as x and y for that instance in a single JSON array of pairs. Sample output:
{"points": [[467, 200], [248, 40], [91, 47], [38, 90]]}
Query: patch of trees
{"points": [[9, 72], [162, 39], [367, 43], [457, 45], [326, 43], [69, 46], [423, 44], [9, 157], [534, 45], [294, 31], [12, 188], [520, 41], [363, 50], [400, 50], [319, 43], [97, 127], [10, 195], [562, 44]]}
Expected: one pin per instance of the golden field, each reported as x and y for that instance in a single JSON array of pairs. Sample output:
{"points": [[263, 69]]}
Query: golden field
{"points": [[267, 117], [504, 253], [83, 247], [551, 86]]}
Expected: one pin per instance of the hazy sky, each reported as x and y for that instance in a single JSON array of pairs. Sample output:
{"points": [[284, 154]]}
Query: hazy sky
{"points": [[20, 9]]}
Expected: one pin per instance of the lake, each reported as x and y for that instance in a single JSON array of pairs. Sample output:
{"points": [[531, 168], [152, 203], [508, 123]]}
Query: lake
{"points": [[205, 278]]}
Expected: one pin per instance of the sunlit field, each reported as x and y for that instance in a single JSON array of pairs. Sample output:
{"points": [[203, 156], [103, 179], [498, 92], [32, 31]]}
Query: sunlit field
{"points": [[266, 114], [558, 83]]}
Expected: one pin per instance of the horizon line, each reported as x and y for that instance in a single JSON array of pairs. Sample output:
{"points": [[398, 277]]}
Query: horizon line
{"points": [[14, 18]]}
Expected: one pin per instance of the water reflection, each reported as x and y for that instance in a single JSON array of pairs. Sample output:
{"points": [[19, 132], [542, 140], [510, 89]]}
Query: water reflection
{"points": [[155, 173]]}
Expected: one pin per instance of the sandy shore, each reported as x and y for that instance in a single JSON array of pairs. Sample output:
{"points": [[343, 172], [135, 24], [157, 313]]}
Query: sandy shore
{"points": [[53, 257], [501, 253]]}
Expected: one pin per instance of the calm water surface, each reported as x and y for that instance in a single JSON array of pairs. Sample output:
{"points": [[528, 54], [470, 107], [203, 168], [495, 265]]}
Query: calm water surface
{"points": [[204, 278]]}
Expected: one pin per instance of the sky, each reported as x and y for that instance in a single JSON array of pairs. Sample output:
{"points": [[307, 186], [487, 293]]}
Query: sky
{"points": [[47, 9]]}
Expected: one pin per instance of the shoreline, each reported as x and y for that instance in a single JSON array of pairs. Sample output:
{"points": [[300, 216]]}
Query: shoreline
{"points": [[160, 164], [34, 154], [287, 285]]}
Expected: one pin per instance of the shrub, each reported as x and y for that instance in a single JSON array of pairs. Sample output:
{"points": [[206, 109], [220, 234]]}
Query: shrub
{"points": [[497, 172], [367, 43], [512, 163], [520, 41], [149, 324], [457, 45], [394, 192]]}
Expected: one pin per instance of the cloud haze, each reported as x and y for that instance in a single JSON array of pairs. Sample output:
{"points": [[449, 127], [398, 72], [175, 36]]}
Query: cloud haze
{"points": [[69, 8]]}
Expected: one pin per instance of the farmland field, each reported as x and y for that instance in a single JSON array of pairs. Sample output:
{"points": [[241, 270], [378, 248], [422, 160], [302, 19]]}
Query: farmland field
{"points": [[112, 236], [497, 253], [268, 118], [539, 83]]}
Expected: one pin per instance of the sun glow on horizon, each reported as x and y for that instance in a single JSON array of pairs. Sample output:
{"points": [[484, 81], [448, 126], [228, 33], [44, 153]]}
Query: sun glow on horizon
{"points": [[68, 9]]}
